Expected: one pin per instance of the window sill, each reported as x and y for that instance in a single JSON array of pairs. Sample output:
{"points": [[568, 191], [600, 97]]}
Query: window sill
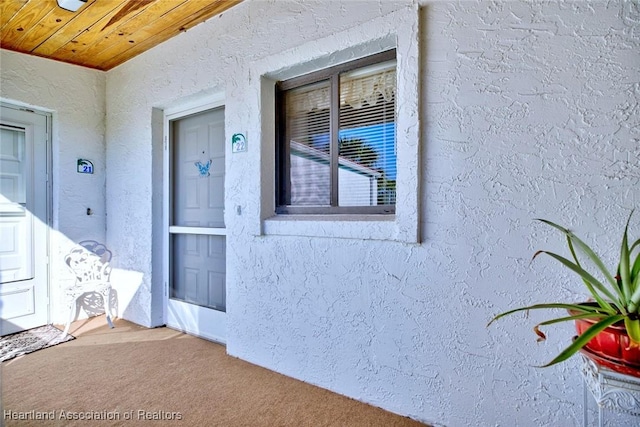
{"points": [[362, 227]]}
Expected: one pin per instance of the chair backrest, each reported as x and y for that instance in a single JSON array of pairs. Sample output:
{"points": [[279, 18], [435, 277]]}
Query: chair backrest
{"points": [[98, 249], [87, 265]]}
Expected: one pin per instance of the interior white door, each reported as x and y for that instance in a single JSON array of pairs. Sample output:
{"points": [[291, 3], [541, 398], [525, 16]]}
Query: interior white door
{"points": [[23, 220], [197, 236]]}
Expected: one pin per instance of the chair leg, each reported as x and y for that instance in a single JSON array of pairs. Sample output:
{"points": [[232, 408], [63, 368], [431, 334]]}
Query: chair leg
{"points": [[71, 303], [106, 296]]}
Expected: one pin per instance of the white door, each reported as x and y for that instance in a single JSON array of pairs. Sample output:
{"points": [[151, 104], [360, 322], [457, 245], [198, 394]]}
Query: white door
{"points": [[23, 220], [196, 294]]}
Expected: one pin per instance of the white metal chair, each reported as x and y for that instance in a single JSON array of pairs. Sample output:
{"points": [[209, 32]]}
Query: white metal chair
{"points": [[89, 262]]}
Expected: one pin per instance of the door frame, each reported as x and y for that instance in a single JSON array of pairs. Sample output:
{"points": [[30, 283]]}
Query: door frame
{"points": [[48, 191], [172, 114]]}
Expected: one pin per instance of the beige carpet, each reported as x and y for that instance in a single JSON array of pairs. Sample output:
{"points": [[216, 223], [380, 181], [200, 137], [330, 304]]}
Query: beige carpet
{"points": [[136, 376]]}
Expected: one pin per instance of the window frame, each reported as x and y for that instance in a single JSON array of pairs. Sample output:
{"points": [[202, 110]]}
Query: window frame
{"points": [[282, 155]]}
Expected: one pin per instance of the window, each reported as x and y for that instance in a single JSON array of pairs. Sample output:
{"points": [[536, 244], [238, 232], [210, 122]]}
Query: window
{"points": [[336, 139]]}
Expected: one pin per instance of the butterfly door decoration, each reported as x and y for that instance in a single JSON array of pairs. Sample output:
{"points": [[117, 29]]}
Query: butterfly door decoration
{"points": [[204, 168]]}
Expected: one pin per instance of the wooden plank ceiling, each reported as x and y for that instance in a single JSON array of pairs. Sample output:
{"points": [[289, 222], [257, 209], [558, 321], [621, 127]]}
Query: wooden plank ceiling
{"points": [[101, 34]]}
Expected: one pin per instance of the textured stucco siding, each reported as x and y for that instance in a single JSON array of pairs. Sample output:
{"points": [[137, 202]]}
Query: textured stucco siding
{"points": [[75, 97], [532, 111], [528, 109]]}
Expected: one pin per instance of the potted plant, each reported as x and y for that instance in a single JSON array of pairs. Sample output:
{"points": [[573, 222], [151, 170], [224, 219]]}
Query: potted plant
{"points": [[609, 323]]}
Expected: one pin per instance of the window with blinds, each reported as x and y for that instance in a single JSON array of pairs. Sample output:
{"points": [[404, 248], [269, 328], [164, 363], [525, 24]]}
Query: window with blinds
{"points": [[336, 150]]}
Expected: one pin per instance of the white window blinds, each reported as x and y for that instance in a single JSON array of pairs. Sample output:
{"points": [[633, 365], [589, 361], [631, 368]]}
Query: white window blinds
{"points": [[340, 139]]}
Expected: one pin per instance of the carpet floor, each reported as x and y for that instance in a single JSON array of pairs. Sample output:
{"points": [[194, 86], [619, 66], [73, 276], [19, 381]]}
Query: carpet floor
{"points": [[131, 375]]}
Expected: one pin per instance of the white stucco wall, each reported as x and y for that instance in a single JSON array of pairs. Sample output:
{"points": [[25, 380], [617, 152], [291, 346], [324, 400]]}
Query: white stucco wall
{"points": [[76, 99], [528, 109]]}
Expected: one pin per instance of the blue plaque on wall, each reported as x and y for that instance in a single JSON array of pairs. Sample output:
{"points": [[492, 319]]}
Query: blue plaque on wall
{"points": [[85, 166]]}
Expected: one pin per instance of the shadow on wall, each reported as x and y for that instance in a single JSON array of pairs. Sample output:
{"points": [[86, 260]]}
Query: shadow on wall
{"points": [[123, 286]]}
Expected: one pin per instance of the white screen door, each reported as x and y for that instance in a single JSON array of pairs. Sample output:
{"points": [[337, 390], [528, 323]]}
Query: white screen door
{"points": [[196, 290], [23, 220]]}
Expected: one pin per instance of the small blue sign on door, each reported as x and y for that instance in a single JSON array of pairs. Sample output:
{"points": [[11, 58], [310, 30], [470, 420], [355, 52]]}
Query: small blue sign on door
{"points": [[85, 166]]}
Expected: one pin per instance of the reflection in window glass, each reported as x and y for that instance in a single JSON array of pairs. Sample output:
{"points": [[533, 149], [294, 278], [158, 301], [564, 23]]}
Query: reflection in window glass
{"points": [[337, 139]]}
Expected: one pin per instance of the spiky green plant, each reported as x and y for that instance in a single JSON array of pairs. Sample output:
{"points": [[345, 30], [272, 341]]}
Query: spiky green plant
{"points": [[617, 299]]}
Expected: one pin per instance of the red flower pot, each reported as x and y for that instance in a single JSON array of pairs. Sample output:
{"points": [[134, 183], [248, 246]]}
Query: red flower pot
{"points": [[612, 347]]}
